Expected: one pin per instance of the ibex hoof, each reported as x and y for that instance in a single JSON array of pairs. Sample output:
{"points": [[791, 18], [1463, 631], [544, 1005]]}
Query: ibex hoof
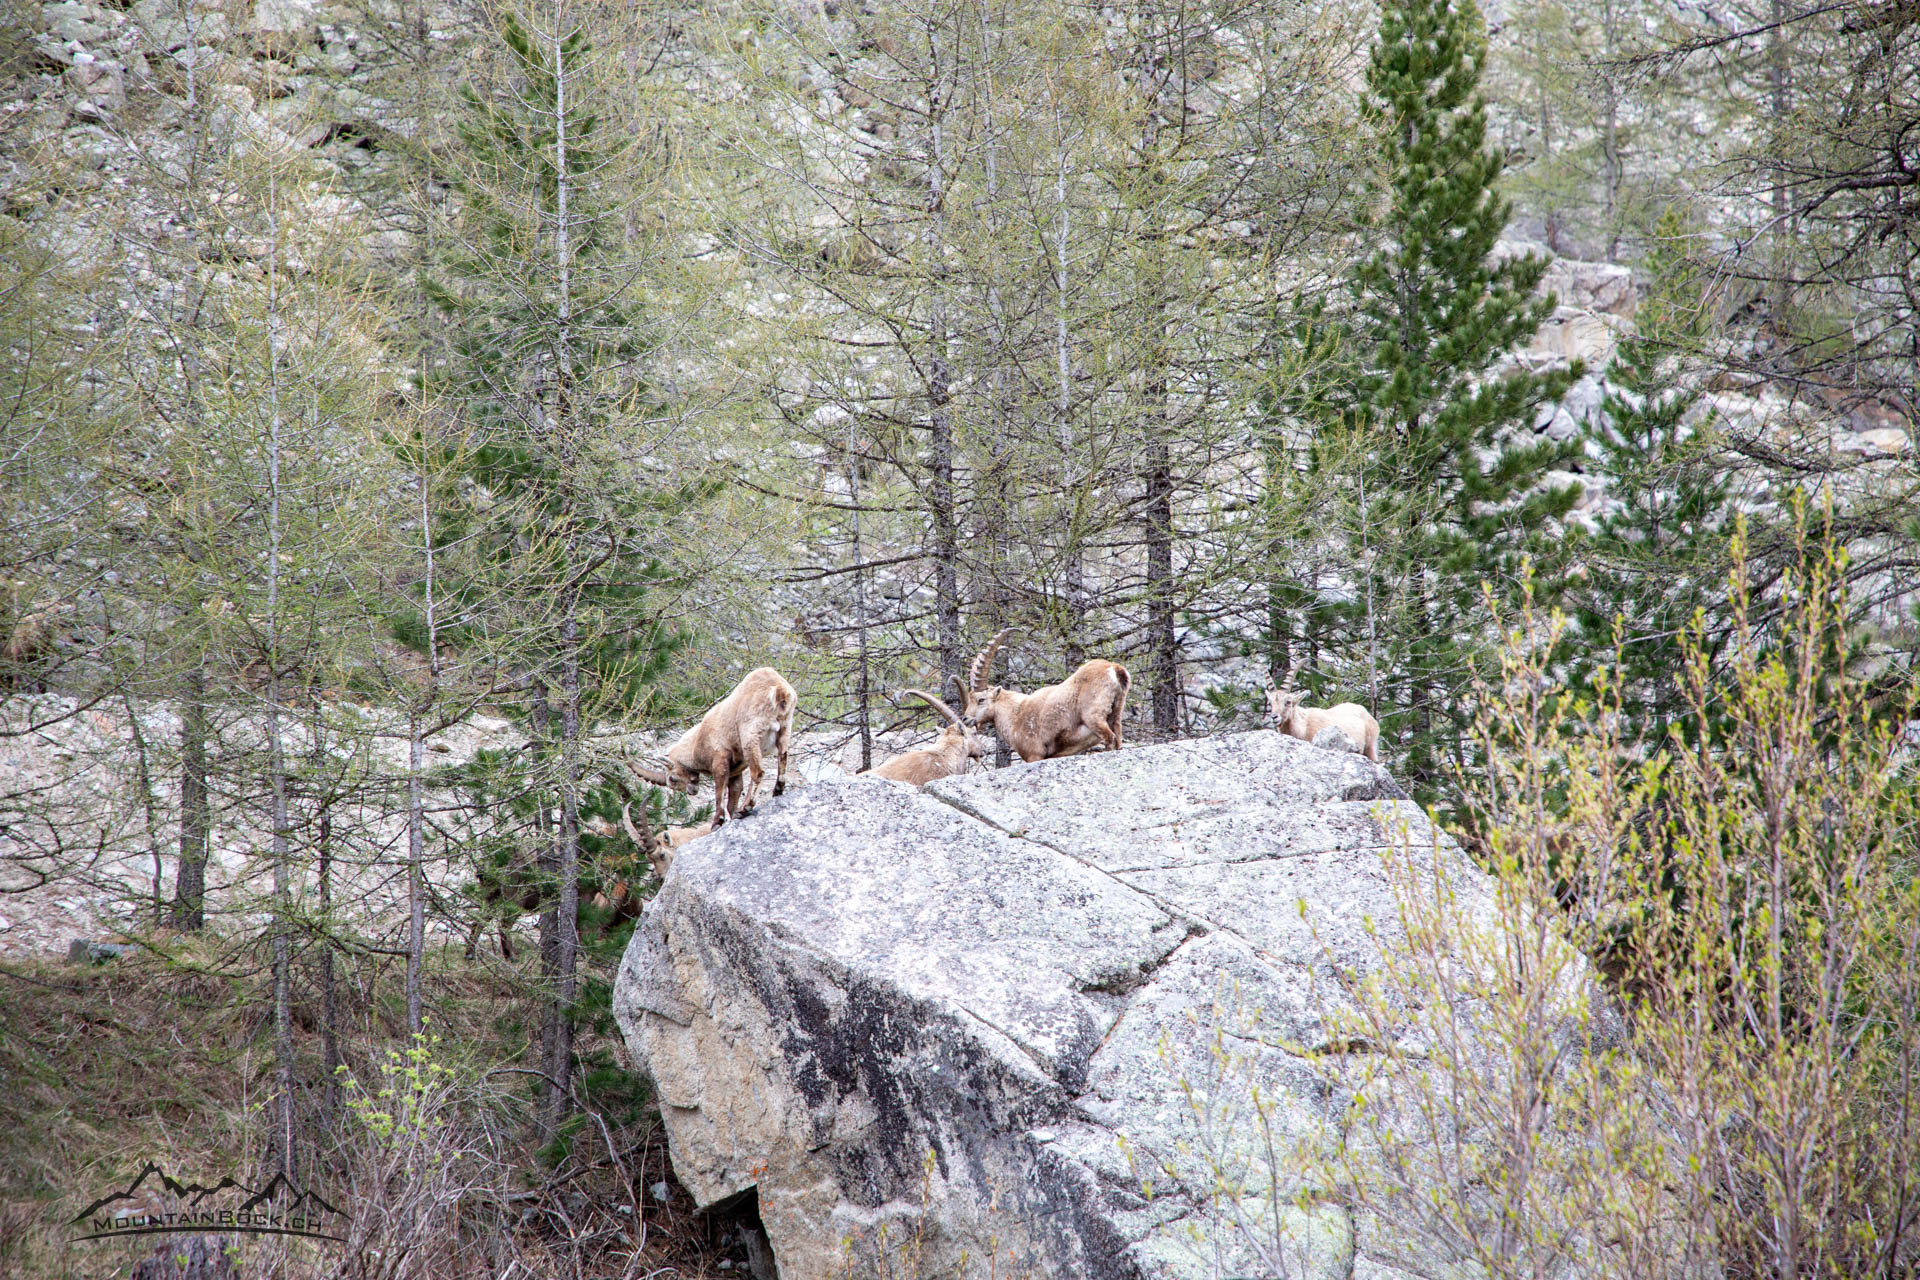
{"points": [[779, 788]]}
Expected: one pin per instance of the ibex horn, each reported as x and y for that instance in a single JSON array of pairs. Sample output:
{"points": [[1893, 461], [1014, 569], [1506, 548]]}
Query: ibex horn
{"points": [[935, 703], [656, 776], [626, 820], [982, 663]]}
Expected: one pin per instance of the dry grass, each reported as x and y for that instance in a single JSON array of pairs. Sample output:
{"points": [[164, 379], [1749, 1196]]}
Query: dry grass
{"points": [[164, 1055]]}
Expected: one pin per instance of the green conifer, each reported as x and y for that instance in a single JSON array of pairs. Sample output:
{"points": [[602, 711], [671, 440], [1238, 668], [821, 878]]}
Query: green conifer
{"points": [[1662, 552], [566, 517], [1457, 495]]}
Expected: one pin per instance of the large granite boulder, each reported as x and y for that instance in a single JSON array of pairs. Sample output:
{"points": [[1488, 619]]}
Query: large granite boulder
{"points": [[976, 1014]]}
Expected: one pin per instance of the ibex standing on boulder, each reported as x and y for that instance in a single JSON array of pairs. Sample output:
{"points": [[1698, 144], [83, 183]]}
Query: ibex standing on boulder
{"points": [[729, 743], [1306, 723], [948, 755], [1081, 713]]}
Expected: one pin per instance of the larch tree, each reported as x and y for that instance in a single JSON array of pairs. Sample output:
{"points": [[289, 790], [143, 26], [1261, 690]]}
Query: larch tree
{"points": [[571, 478]]}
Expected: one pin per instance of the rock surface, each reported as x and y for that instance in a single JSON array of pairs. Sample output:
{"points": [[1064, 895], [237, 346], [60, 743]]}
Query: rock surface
{"points": [[972, 1012]]}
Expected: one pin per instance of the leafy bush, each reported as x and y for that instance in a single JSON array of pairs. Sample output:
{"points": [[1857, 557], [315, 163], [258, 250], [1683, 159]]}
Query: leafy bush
{"points": [[1679, 1034]]}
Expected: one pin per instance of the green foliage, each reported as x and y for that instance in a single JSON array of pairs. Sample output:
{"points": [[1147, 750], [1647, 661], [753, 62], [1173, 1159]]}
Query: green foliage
{"points": [[550, 345], [403, 1104], [1661, 557], [1423, 422], [1674, 1030]]}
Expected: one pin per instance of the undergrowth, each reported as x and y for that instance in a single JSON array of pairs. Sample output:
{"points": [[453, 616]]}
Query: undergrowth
{"points": [[164, 1056]]}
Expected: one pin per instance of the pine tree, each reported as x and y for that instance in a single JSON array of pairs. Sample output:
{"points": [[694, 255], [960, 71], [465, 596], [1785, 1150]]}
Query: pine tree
{"points": [[1663, 552], [1455, 482]]}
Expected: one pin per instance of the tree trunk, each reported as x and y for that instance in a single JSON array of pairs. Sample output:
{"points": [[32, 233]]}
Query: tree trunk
{"points": [[566, 949], [1163, 644], [416, 803], [416, 887], [283, 1146], [329, 994], [1277, 464], [940, 497], [946, 531], [547, 873], [863, 680], [567, 906], [196, 817], [149, 810], [1075, 575], [1779, 93]]}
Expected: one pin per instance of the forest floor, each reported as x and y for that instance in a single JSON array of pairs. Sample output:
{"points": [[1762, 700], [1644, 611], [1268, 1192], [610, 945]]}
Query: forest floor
{"points": [[168, 1060]]}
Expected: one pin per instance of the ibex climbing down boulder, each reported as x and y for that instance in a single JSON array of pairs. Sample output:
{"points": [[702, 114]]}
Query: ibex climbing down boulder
{"points": [[659, 846], [947, 756], [729, 743], [1081, 713], [1307, 723]]}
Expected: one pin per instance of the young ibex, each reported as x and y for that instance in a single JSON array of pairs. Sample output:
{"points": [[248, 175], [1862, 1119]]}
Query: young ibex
{"points": [[729, 742], [948, 755], [510, 886], [658, 848], [29, 640], [1079, 714], [1305, 723]]}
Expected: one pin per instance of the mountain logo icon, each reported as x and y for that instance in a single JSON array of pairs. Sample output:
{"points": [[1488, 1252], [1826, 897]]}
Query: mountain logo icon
{"points": [[155, 1202]]}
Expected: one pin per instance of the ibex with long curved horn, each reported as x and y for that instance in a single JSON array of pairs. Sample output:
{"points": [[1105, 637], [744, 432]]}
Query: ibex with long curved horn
{"points": [[1081, 713], [729, 743], [659, 848], [1305, 723], [947, 756]]}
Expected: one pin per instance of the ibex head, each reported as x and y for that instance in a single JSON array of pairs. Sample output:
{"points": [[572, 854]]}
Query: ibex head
{"points": [[676, 777], [1286, 699], [976, 749], [982, 700]]}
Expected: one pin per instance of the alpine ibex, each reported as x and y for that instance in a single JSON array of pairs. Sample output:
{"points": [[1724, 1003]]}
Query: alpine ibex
{"points": [[28, 640], [947, 756], [661, 848], [729, 742], [1079, 714], [1305, 723]]}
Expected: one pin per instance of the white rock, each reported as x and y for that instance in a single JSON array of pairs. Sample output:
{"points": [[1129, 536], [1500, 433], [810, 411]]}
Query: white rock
{"points": [[1584, 398], [1592, 286], [1334, 738], [1879, 442], [166, 29], [1006, 979], [81, 23], [289, 22], [1571, 334]]}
